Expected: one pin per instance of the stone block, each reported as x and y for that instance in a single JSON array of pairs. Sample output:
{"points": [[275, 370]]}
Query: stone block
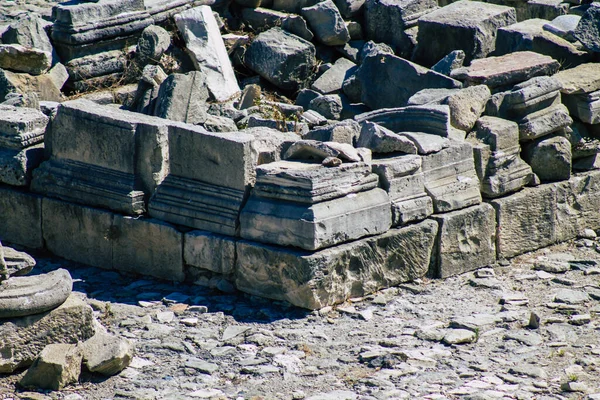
{"points": [[527, 220], [78, 233], [330, 276], [319, 225], [544, 122], [331, 81], [261, 18], [550, 158], [464, 25], [24, 59], [430, 119], [106, 354], [57, 366], [578, 201], [200, 31], [21, 216], [183, 98], [208, 251], [327, 23], [382, 140], [147, 247], [588, 29], [584, 78], [585, 107], [20, 339], [16, 166], [281, 58], [466, 240], [42, 85], [346, 131]]}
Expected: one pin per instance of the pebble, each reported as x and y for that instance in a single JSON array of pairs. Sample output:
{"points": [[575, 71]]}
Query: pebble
{"points": [[459, 336]]}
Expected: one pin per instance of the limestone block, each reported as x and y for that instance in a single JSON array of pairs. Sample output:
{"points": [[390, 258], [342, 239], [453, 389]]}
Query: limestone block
{"points": [[431, 119], [16, 166], [147, 247], [259, 17], [21, 127], [21, 216], [327, 23], [89, 12], [106, 354], [24, 59], [550, 158], [577, 204], [22, 296], [531, 96], [163, 10], [563, 26], [466, 240], [28, 31], [586, 107], [183, 97], [381, 140], [381, 15], [281, 58], [57, 366], [346, 131], [205, 46], [349, 8], [463, 25], [389, 81], [209, 251], [78, 233], [42, 85], [527, 220], [584, 78], [507, 70], [331, 81], [467, 105], [315, 226], [153, 42], [20, 339], [330, 276], [588, 29]]}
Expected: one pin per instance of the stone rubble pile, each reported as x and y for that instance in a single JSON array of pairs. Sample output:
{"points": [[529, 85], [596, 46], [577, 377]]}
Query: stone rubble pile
{"points": [[302, 151]]}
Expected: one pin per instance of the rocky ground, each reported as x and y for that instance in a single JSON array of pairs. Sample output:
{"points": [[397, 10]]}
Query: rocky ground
{"points": [[471, 336]]}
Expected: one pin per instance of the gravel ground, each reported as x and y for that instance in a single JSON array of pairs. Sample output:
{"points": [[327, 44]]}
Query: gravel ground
{"points": [[401, 343]]}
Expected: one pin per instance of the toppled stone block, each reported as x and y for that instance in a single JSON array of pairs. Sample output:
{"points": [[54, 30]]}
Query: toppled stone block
{"points": [[153, 43], [584, 78], [507, 70], [381, 140], [450, 62], [346, 131], [585, 107], [331, 81], [205, 46], [389, 81], [29, 31], [577, 204], [563, 26], [427, 143], [544, 122], [106, 354], [24, 59], [330, 106], [588, 29], [42, 85], [349, 8], [261, 18], [20, 339], [315, 280], [21, 213], [550, 158], [464, 25], [327, 23], [466, 240], [57, 366], [183, 98], [526, 98], [281, 58]]}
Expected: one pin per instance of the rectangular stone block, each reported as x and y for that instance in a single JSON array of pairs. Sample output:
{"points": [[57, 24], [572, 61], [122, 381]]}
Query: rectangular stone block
{"points": [[466, 240], [330, 276], [209, 251], [147, 247], [21, 218], [78, 233], [526, 220]]}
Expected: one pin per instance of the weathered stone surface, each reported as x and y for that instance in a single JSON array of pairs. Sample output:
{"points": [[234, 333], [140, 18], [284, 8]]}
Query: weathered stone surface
{"points": [[319, 225], [281, 58], [506, 70], [427, 143], [588, 29], [20, 341], [147, 247], [43, 85], [57, 366], [450, 177], [292, 6], [331, 81], [21, 213], [563, 26], [346, 131], [22, 296], [315, 280], [15, 263], [381, 15], [326, 22], [533, 95], [153, 42], [584, 78], [349, 8], [531, 35], [585, 107], [261, 18], [208, 251], [389, 81], [183, 97], [202, 36], [16, 166], [463, 25], [312, 150], [544, 122], [467, 240], [381, 140], [23, 59], [550, 158], [21, 127], [78, 233], [329, 105], [433, 119], [106, 354], [450, 62], [28, 31], [528, 220], [577, 202]]}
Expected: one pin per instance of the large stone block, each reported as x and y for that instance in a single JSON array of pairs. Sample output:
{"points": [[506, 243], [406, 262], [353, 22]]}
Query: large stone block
{"points": [[21, 216], [326, 22], [466, 240], [147, 247], [207, 251], [526, 220], [330, 276], [578, 202], [550, 158], [464, 25], [78, 233]]}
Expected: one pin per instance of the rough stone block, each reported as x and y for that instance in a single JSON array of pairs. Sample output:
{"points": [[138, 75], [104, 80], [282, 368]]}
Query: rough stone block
{"points": [[327, 277], [526, 220], [57, 366], [78, 233], [16, 166], [331, 81], [21, 216], [464, 25], [550, 158], [147, 247], [107, 354], [208, 251], [466, 240], [327, 23]]}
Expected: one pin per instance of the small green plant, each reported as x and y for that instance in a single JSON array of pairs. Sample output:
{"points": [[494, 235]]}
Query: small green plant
{"points": [[572, 377]]}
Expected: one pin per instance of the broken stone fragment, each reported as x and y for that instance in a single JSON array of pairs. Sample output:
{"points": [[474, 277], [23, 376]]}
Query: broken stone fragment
{"points": [[327, 23], [588, 28], [22, 59], [57, 366], [550, 158], [106, 354], [449, 63], [152, 44], [382, 140], [314, 150]]}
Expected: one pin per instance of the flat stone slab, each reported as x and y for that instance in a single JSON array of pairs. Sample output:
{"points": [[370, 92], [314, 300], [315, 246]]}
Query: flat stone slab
{"points": [[22, 296], [584, 78], [506, 70]]}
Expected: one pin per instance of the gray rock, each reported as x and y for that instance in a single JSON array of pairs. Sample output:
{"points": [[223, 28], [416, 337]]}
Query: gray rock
{"points": [[459, 336], [569, 296], [382, 140], [292, 6], [330, 106], [15, 263], [57, 366], [449, 63], [153, 43], [313, 150], [183, 97], [327, 24], [43, 85], [261, 18], [346, 131], [389, 81], [349, 8], [204, 44], [463, 25], [563, 26], [283, 59], [528, 370], [426, 143], [544, 122], [549, 158], [331, 81], [23, 59], [467, 105], [588, 29], [106, 354], [582, 79], [524, 337], [371, 48]]}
